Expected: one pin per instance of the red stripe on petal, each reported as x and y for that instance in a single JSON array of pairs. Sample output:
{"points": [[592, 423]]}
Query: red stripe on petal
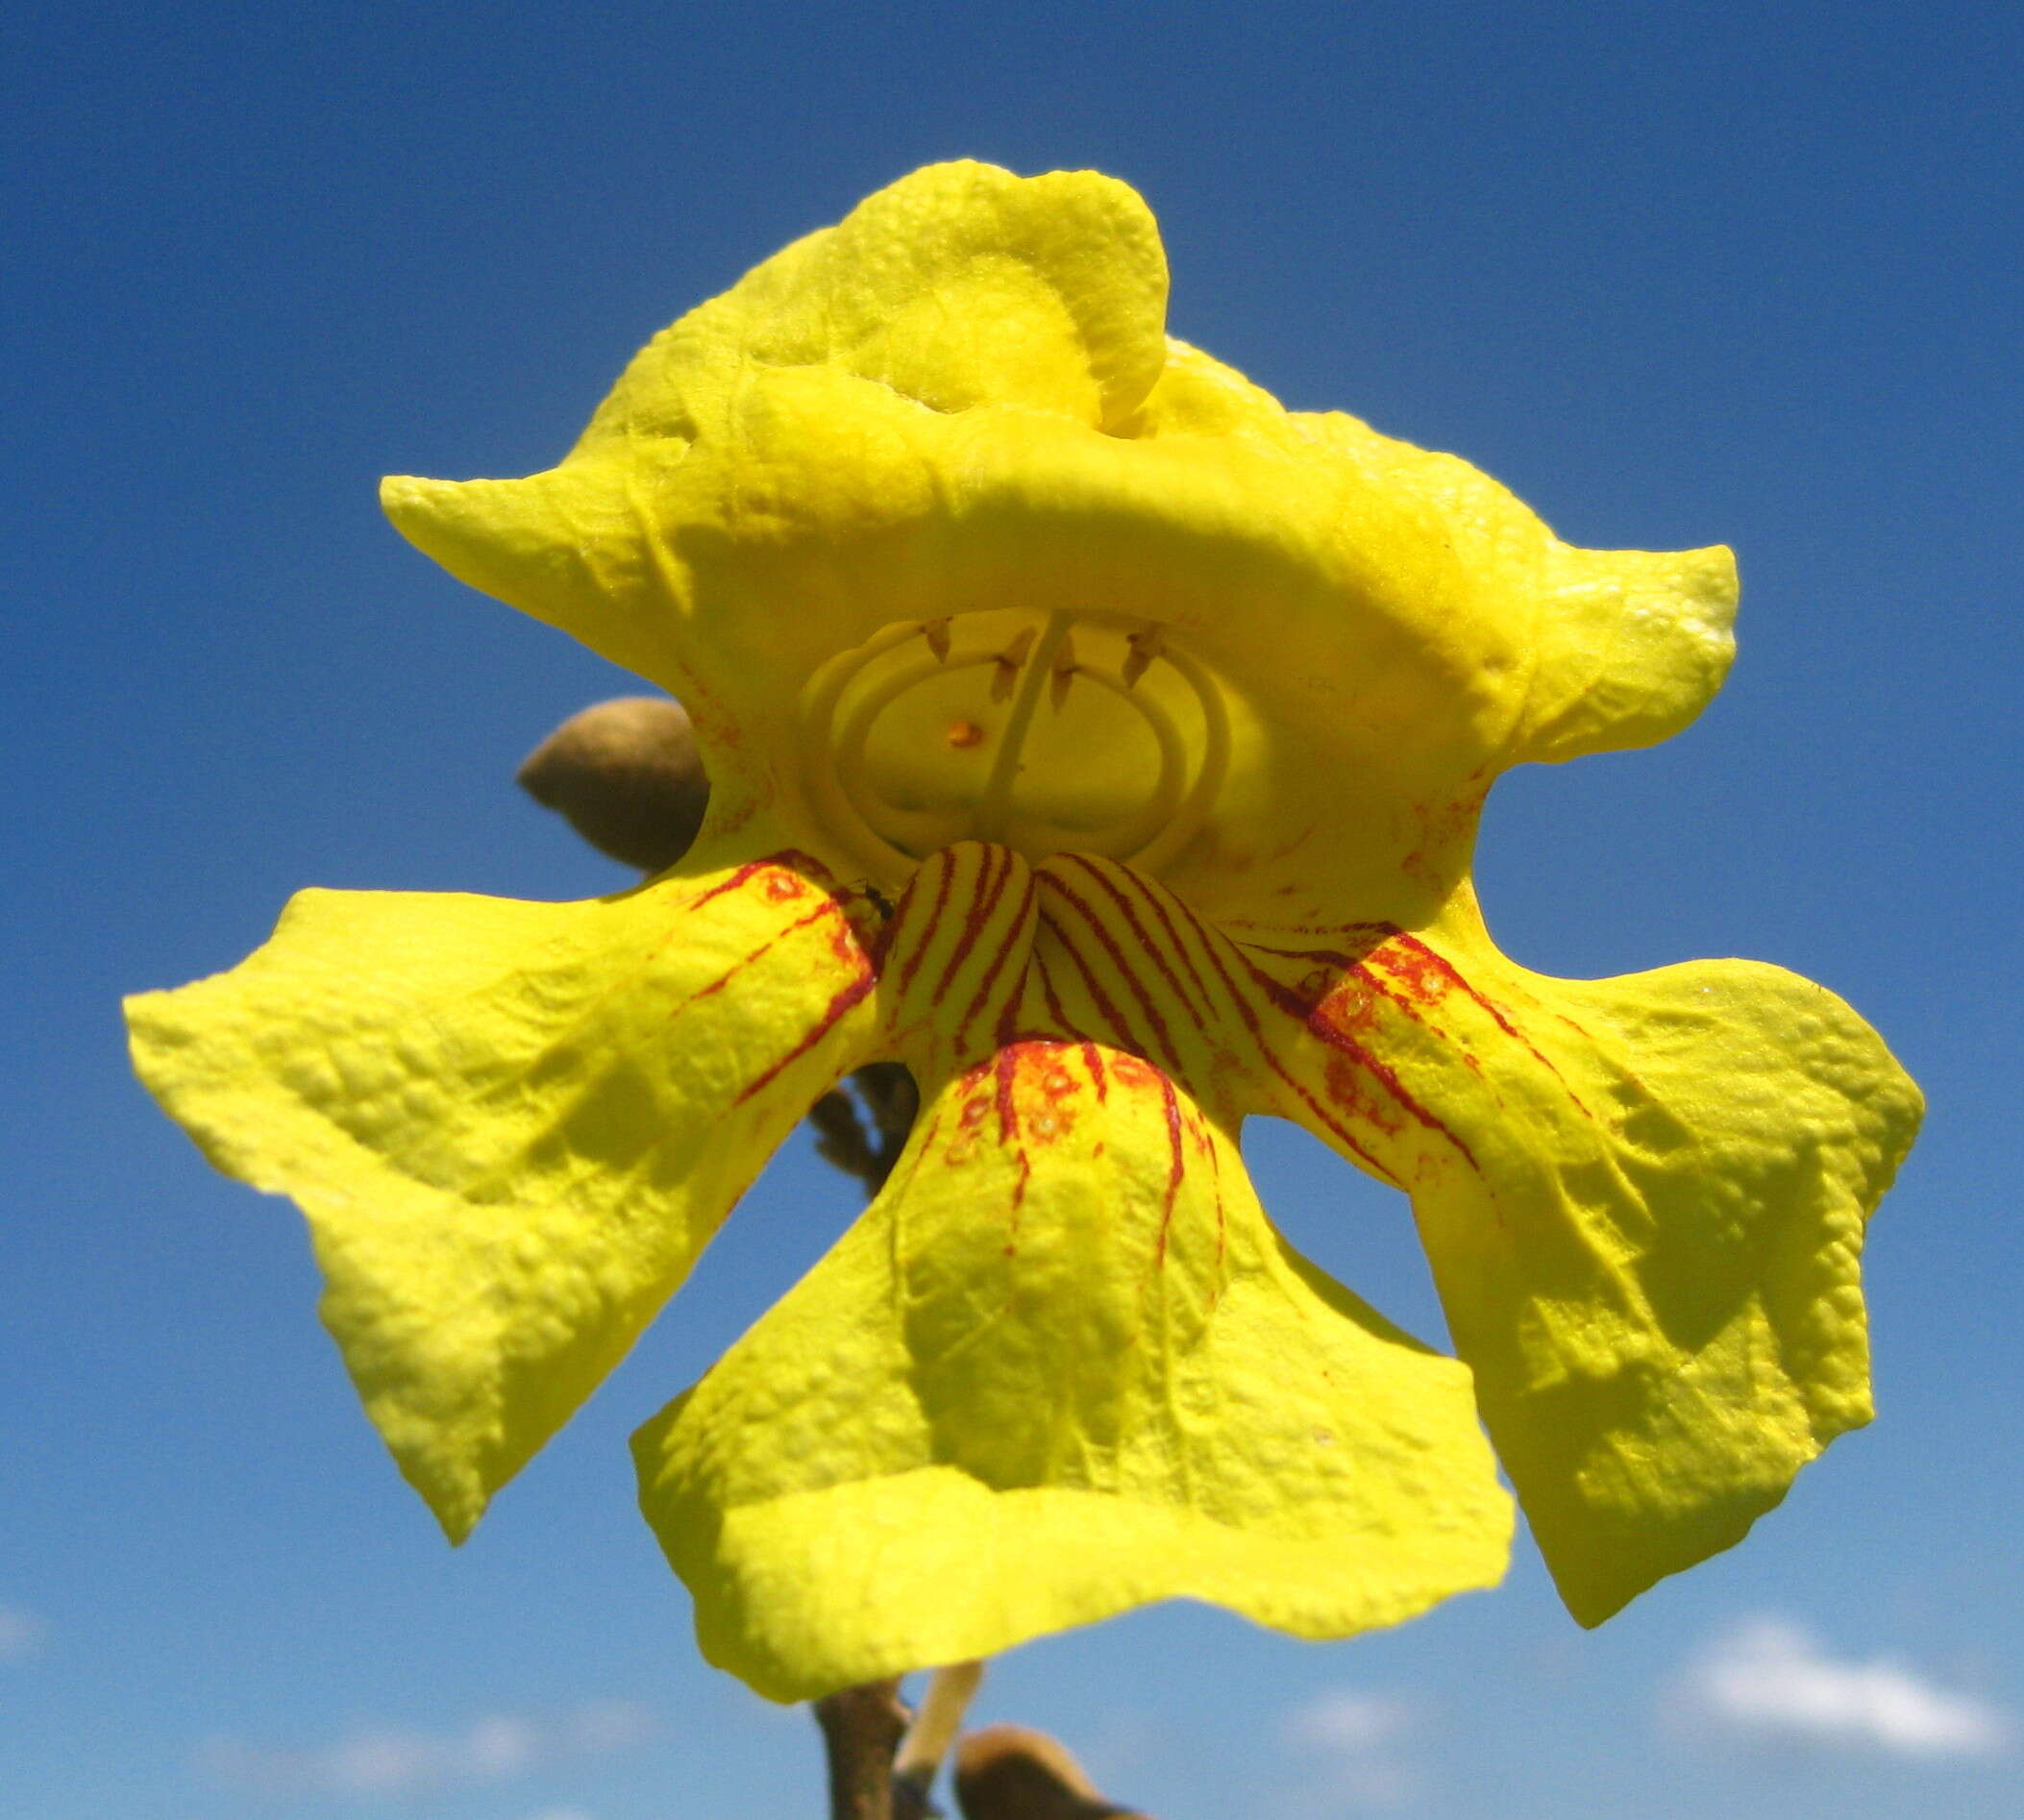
{"points": [[1179, 1171], [1162, 1036], [855, 993], [1016, 933], [1430, 963], [1340, 1040], [993, 867], [1153, 951]]}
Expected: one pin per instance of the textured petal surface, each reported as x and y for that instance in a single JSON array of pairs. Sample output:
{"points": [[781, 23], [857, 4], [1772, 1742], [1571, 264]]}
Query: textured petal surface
{"points": [[513, 1126], [960, 286], [1061, 1367], [960, 400], [1643, 1199]]}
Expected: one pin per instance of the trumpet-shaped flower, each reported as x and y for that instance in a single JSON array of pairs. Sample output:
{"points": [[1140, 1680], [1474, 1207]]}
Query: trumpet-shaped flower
{"points": [[1105, 743]]}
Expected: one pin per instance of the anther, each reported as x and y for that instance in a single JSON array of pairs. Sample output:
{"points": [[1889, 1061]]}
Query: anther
{"points": [[1145, 646], [1009, 662], [1062, 671]]}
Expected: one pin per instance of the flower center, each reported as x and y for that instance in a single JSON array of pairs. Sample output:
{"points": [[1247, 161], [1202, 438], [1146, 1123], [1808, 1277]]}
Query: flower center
{"points": [[1044, 731]]}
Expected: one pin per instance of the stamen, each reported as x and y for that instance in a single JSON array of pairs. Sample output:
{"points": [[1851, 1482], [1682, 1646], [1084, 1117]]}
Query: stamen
{"points": [[890, 832], [1062, 673], [1010, 661], [994, 807], [1145, 646]]}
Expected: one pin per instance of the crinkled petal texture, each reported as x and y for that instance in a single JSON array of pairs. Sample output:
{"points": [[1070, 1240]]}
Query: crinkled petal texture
{"points": [[1062, 1366], [962, 399], [513, 1126], [1643, 1199]]}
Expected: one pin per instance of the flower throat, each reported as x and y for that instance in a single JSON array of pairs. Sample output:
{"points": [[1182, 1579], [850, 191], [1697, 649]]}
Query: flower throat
{"points": [[1046, 732]]}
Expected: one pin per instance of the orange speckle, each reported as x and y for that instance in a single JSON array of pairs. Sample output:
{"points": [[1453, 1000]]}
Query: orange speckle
{"points": [[964, 734], [780, 886]]}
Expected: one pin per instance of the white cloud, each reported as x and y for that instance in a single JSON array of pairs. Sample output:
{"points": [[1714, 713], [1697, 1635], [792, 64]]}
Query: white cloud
{"points": [[1769, 1681], [395, 1761], [20, 1635], [1360, 1745]]}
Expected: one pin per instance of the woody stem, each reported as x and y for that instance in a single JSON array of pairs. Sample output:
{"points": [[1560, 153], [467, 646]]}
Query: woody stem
{"points": [[861, 1729]]}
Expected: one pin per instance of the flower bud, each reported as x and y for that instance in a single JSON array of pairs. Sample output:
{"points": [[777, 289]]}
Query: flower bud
{"points": [[624, 774], [1009, 1772]]}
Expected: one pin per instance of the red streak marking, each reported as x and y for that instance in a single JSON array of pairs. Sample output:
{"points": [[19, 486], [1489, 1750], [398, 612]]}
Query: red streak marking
{"points": [[1104, 940], [1264, 1048], [1019, 926], [1004, 1066], [1179, 1169], [723, 980], [1430, 960], [789, 859], [1146, 944], [917, 951], [1340, 1040], [851, 994], [1093, 1060], [1120, 1033], [1328, 956], [977, 912], [1382, 930], [1055, 1008], [737, 882]]}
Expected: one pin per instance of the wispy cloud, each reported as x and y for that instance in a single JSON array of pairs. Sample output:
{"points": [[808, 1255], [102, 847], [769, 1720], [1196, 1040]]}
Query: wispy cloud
{"points": [[1360, 1746], [381, 1761], [1770, 1682], [21, 1634]]}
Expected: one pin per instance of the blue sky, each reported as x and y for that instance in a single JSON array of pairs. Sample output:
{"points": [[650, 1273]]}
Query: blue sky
{"points": [[1678, 275]]}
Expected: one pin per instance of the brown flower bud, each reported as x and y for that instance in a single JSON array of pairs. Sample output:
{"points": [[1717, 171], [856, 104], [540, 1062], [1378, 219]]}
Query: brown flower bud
{"points": [[626, 776], [1009, 1772]]}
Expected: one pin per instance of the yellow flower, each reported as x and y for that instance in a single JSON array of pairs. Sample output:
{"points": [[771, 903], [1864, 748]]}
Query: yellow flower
{"points": [[1162, 717]]}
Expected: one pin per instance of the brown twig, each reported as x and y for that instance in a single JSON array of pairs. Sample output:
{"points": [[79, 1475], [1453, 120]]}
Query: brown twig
{"points": [[861, 1729]]}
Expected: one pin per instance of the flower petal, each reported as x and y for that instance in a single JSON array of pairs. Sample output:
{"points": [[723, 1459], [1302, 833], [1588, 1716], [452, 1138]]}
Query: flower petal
{"points": [[960, 400], [1643, 1199], [512, 1126], [957, 287], [960, 284], [1063, 1367]]}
